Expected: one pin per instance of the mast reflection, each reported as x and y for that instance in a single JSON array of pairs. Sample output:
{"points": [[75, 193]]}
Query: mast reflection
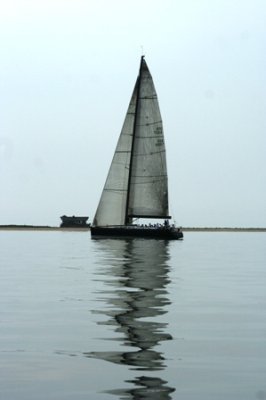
{"points": [[137, 271]]}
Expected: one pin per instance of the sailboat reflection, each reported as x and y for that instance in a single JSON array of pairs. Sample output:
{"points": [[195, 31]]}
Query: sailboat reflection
{"points": [[148, 388], [137, 270]]}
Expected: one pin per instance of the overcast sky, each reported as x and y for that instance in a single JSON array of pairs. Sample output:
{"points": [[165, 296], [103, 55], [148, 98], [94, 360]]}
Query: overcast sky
{"points": [[67, 70]]}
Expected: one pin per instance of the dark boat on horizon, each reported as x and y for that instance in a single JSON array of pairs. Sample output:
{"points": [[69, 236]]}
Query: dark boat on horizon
{"points": [[137, 182]]}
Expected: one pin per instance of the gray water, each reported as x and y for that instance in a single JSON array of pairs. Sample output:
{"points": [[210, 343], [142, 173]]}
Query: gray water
{"points": [[132, 319]]}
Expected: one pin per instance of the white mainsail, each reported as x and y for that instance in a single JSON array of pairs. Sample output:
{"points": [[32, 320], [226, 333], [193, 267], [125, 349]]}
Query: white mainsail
{"points": [[136, 184], [148, 196]]}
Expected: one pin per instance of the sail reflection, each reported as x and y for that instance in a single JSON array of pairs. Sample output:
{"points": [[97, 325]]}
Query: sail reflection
{"points": [[136, 271]]}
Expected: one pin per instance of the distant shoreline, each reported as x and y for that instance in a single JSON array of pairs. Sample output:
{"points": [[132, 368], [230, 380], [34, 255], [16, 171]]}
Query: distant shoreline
{"points": [[87, 228], [225, 229], [40, 228]]}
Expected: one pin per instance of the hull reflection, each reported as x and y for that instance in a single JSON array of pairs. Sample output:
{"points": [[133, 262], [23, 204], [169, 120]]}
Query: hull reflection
{"points": [[136, 271], [148, 388]]}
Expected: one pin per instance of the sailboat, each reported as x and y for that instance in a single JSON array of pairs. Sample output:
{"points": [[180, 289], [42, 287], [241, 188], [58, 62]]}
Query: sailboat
{"points": [[137, 183]]}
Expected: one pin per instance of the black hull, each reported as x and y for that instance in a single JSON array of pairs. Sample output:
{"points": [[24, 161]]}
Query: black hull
{"points": [[168, 233]]}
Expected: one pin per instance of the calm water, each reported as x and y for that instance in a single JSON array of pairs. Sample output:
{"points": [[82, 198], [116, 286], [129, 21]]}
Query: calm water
{"points": [[139, 319]]}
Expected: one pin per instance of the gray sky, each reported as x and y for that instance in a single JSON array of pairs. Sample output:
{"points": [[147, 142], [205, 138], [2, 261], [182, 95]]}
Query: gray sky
{"points": [[67, 70]]}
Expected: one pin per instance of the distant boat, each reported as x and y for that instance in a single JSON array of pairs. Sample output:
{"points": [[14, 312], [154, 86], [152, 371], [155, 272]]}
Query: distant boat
{"points": [[74, 222], [137, 183]]}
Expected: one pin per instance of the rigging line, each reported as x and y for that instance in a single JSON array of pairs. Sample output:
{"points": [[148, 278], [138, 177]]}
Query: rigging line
{"points": [[154, 97], [151, 137], [144, 183], [150, 176], [158, 152], [150, 153], [151, 123], [159, 122], [114, 190], [147, 183], [127, 133]]}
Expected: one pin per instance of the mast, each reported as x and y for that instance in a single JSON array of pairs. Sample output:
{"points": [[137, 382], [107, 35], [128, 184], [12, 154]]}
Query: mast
{"points": [[127, 218]]}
